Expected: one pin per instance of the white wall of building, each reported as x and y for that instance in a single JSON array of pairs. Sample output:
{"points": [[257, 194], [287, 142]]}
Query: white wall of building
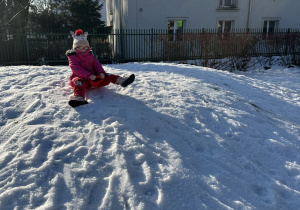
{"points": [[197, 14], [286, 11]]}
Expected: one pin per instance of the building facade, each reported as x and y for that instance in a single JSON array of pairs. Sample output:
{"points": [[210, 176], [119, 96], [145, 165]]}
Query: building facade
{"points": [[223, 15]]}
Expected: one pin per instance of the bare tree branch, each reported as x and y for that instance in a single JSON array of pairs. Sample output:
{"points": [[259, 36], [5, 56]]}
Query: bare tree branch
{"points": [[23, 8]]}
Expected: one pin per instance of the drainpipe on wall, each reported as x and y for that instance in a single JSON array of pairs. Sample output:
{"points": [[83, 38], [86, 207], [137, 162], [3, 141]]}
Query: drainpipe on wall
{"points": [[121, 13], [121, 18], [249, 14]]}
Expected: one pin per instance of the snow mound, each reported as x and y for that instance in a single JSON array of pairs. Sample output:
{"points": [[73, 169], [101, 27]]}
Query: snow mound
{"points": [[179, 137]]}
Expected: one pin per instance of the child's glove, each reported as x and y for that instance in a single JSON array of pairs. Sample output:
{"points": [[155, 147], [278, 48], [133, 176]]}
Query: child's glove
{"points": [[92, 77], [102, 75]]}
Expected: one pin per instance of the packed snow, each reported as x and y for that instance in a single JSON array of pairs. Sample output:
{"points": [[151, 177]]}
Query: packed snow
{"points": [[180, 137]]}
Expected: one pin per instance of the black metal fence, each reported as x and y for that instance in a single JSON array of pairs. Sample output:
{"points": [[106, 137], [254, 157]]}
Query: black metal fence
{"points": [[48, 48]]}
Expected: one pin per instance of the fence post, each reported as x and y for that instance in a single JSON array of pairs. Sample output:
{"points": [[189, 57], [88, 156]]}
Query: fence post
{"points": [[27, 47], [151, 44], [94, 43]]}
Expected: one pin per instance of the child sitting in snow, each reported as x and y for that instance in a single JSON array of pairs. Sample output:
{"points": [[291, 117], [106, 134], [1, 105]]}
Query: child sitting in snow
{"points": [[86, 70]]}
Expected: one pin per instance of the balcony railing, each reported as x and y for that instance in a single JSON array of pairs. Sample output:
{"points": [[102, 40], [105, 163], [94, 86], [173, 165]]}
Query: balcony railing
{"points": [[228, 4]]}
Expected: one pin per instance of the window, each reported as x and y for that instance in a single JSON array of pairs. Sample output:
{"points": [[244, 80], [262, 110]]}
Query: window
{"points": [[175, 29], [269, 28], [228, 4], [225, 26]]}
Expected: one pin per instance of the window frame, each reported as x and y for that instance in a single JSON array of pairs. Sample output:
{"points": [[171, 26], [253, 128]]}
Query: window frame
{"points": [[175, 35], [267, 28], [222, 31], [267, 33]]}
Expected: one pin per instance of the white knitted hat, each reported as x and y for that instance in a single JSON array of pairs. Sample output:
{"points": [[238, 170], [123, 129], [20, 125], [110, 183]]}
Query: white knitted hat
{"points": [[79, 38]]}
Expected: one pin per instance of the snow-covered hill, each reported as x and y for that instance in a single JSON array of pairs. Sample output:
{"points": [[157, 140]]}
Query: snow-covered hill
{"points": [[179, 137]]}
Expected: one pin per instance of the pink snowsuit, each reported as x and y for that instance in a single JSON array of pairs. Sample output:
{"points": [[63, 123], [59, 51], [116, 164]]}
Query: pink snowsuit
{"points": [[83, 65]]}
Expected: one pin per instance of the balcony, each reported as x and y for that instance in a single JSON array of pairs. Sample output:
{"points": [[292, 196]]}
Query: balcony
{"points": [[226, 5]]}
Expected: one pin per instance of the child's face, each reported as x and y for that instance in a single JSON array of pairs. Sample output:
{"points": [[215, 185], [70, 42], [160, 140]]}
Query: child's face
{"points": [[82, 48]]}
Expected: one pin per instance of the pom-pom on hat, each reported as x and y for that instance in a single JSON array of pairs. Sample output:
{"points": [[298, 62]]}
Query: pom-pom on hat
{"points": [[79, 38], [78, 32]]}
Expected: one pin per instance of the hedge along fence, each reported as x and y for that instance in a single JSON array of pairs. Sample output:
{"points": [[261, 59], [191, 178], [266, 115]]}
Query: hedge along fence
{"points": [[208, 47], [205, 46]]}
